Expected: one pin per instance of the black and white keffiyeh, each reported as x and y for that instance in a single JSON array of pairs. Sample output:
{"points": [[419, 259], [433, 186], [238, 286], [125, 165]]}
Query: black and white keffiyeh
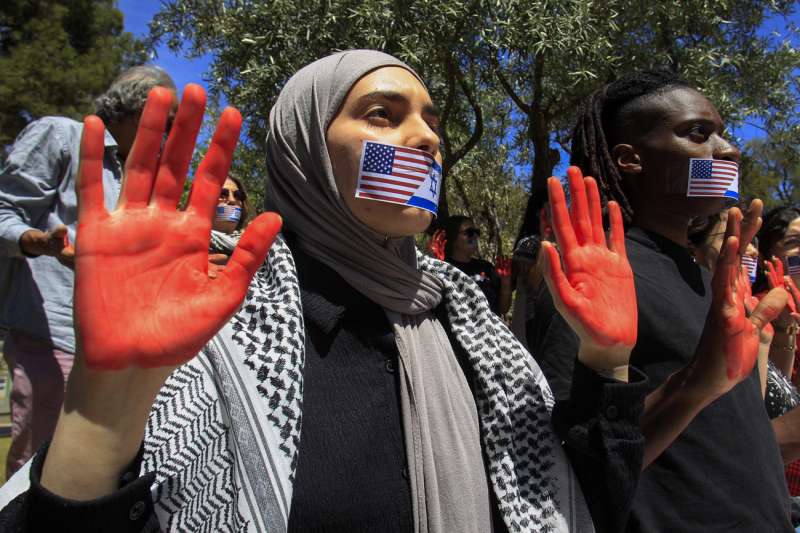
{"points": [[224, 431]]}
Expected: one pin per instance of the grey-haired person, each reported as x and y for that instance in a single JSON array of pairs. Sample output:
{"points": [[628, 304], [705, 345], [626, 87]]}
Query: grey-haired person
{"points": [[38, 215]]}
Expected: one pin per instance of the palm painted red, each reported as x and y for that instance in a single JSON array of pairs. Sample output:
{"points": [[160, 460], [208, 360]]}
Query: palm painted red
{"points": [[776, 278], [728, 347], [436, 245], [143, 294], [594, 291], [502, 266]]}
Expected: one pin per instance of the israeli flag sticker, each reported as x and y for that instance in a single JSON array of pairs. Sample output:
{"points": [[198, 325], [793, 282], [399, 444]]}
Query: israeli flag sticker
{"points": [[399, 175]]}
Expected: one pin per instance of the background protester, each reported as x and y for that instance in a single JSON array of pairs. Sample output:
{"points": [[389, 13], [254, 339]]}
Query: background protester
{"points": [[38, 215], [445, 423], [779, 237], [230, 217], [460, 247], [636, 136], [780, 395], [526, 268]]}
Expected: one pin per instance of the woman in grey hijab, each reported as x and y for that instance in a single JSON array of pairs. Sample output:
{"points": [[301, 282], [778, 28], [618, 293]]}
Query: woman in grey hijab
{"points": [[456, 434]]}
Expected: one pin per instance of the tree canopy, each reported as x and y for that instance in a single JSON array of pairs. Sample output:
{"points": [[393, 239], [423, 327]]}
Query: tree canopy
{"points": [[532, 61], [56, 56]]}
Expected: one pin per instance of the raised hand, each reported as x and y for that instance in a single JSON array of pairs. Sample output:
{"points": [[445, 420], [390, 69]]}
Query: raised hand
{"points": [[728, 347], [794, 292], [144, 295], [776, 278], [594, 291], [502, 265], [436, 245]]}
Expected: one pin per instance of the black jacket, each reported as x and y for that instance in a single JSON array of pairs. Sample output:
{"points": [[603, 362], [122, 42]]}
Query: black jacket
{"points": [[351, 474]]}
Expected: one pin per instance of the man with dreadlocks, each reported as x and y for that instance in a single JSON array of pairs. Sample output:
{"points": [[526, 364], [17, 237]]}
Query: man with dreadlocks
{"points": [[713, 458]]}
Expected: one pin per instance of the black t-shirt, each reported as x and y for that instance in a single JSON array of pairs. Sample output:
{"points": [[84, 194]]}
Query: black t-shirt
{"points": [[485, 276], [724, 472], [552, 343]]}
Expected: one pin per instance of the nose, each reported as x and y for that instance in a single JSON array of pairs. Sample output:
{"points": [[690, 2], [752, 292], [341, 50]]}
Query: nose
{"points": [[420, 135], [723, 149]]}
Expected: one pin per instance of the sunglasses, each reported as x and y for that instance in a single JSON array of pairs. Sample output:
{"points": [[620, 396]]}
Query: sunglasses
{"points": [[224, 194], [472, 232]]}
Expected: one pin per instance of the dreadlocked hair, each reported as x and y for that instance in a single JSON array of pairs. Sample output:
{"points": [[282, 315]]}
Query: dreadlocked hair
{"points": [[596, 129]]}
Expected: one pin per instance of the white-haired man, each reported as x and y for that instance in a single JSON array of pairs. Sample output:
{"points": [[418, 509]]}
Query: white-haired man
{"points": [[38, 214]]}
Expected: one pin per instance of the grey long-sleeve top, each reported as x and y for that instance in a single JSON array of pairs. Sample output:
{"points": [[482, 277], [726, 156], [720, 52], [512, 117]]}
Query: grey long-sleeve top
{"points": [[37, 191]]}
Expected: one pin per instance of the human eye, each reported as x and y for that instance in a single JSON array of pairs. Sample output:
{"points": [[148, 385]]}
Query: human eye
{"points": [[379, 116], [699, 133]]}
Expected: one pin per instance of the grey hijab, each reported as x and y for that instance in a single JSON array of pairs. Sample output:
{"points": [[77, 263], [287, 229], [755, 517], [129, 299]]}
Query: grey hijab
{"points": [[448, 480], [301, 187]]}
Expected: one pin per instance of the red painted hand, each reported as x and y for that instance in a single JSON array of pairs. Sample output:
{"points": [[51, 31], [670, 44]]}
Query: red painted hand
{"points": [[594, 292], [144, 295], [728, 347], [774, 272], [436, 245], [776, 278], [502, 265]]}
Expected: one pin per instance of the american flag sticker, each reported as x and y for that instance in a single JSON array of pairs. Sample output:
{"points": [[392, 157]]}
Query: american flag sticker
{"points": [[750, 264], [399, 175], [713, 177], [793, 265]]}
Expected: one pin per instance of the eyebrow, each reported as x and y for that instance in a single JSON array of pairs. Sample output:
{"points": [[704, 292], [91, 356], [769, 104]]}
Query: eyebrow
{"points": [[394, 96]]}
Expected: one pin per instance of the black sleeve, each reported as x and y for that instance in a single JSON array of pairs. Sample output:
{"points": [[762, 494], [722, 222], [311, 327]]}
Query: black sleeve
{"points": [[129, 510], [600, 426], [552, 343]]}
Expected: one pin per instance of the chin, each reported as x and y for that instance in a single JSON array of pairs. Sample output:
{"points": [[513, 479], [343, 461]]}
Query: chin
{"points": [[698, 207], [395, 220]]}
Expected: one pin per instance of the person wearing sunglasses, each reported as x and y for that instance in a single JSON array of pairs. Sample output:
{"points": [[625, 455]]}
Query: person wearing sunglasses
{"points": [[460, 246], [230, 219]]}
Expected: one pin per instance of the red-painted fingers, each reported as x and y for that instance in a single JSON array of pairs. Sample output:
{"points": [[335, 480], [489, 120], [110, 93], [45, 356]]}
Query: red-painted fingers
{"points": [[561, 219], [179, 148], [724, 281], [251, 252], [556, 280], [502, 265], [579, 208], [90, 170], [751, 223], [214, 168], [733, 227], [142, 161], [774, 272], [769, 307], [793, 291], [595, 211], [617, 236]]}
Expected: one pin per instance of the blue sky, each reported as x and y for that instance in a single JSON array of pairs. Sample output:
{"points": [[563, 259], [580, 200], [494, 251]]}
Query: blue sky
{"points": [[138, 14]]}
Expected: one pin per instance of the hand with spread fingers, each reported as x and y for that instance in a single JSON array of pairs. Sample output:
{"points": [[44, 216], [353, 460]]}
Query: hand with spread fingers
{"points": [[775, 278], [594, 289], [728, 347], [144, 294], [437, 243], [502, 266]]}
